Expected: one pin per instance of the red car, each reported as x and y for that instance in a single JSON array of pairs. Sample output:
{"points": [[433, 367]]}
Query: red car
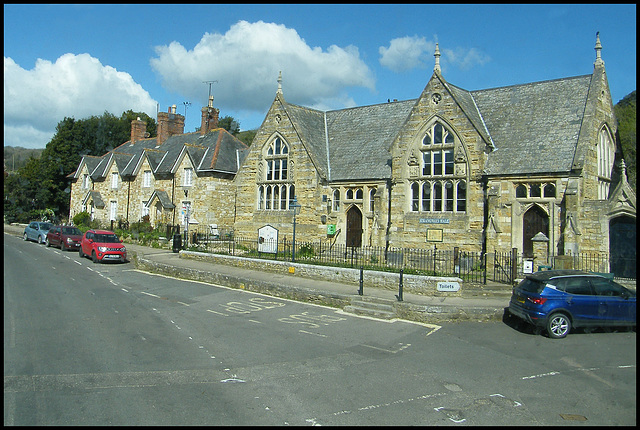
{"points": [[101, 246], [64, 237]]}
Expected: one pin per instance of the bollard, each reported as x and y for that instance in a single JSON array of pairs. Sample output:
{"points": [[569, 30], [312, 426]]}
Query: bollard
{"points": [[399, 295], [360, 288]]}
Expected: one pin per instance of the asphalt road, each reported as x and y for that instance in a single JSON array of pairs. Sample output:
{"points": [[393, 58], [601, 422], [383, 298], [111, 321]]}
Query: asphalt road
{"points": [[92, 344]]}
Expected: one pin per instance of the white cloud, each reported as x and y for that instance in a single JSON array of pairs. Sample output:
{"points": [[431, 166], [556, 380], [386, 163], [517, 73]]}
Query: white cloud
{"points": [[406, 53], [464, 58], [77, 86], [246, 60]]}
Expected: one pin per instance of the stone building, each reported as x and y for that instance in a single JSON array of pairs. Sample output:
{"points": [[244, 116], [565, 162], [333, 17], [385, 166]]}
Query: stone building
{"points": [[167, 178], [478, 170]]}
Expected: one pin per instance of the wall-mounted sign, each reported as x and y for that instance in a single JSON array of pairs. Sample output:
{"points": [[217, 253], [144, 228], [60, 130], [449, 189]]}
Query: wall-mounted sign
{"points": [[448, 286], [331, 229], [527, 266], [434, 221], [434, 235]]}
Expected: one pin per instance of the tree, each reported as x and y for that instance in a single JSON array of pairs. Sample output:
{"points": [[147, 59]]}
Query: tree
{"points": [[625, 111], [43, 184], [229, 124]]}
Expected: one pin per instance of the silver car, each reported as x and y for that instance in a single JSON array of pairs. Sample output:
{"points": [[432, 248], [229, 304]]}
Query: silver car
{"points": [[37, 231]]}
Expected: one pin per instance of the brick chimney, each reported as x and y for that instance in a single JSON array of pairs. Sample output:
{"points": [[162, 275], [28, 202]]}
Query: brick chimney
{"points": [[169, 123], [209, 118], [138, 130]]}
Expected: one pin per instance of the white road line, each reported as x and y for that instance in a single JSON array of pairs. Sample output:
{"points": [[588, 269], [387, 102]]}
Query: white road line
{"points": [[149, 294], [219, 313], [315, 334]]}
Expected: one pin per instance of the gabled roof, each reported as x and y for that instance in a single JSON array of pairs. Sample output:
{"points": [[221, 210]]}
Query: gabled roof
{"points": [[535, 127], [162, 197], [215, 151], [351, 143], [531, 128]]}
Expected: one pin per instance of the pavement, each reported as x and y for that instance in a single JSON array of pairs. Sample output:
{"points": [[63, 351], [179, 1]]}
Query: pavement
{"points": [[476, 303]]}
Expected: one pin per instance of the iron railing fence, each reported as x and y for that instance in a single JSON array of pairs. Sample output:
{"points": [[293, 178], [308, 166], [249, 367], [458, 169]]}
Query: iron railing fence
{"points": [[473, 267]]}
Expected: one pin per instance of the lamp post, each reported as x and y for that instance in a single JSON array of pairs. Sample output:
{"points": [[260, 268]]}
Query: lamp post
{"points": [[295, 207], [186, 219]]}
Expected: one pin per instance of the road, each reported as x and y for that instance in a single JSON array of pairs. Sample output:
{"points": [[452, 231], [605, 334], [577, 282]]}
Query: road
{"points": [[93, 344]]}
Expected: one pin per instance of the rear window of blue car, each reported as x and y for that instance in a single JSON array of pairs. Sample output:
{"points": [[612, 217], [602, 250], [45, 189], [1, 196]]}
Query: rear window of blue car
{"points": [[531, 286]]}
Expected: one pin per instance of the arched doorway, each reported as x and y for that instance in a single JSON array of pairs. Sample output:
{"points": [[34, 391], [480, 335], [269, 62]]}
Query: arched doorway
{"points": [[535, 221], [622, 246], [354, 227]]}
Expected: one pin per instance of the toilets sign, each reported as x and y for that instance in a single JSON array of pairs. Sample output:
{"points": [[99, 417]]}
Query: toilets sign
{"points": [[448, 286]]}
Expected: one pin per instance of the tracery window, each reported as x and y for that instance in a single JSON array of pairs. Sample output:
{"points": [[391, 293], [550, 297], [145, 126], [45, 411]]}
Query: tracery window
{"points": [[605, 153], [439, 190], [275, 191]]}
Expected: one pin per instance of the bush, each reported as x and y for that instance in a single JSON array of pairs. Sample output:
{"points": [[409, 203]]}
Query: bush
{"points": [[82, 218]]}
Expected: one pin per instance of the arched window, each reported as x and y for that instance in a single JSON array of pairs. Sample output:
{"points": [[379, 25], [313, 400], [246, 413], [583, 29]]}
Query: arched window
{"points": [[275, 189], [550, 190], [372, 195], [605, 153], [439, 190], [336, 201], [521, 191]]}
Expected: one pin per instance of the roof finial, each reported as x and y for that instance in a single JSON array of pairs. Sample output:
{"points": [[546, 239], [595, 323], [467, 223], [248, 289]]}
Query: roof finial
{"points": [[598, 48], [436, 68], [280, 82]]}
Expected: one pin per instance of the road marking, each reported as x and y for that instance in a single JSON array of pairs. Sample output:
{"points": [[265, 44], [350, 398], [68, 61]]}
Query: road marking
{"points": [[182, 303], [219, 313], [403, 347], [592, 369], [77, 262], [149, 294], [254, 321], [315, 334]]}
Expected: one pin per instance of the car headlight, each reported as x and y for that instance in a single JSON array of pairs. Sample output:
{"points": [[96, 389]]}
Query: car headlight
{"points": [[124, 249], [102, 248], [69, 240]]}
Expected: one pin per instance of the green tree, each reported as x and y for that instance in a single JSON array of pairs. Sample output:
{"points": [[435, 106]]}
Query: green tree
{"points": [[43, 184], [229, 124], [625, 111]]}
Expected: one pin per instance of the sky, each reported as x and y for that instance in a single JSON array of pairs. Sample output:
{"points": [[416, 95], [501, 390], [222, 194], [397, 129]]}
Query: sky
{"points": [[83, 60]]}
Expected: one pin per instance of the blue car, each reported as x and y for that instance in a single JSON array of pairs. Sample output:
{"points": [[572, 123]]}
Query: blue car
{"points": [[557, 300], [37, 231]]}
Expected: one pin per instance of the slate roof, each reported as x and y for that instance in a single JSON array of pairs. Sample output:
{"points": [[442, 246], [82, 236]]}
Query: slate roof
{"points": [[535, 127], [358, 141], [530, 128], [216, 151]]}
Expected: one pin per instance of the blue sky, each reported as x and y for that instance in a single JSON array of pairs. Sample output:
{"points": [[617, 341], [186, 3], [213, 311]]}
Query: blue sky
{"points": [[82, 60]]}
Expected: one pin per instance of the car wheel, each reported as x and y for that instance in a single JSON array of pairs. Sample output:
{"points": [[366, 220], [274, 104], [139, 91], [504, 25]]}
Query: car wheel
{"points": [[62, 247], [40, 240], [94, 258], [25, 237], [46, 242], [558, 325], [80, 253]]}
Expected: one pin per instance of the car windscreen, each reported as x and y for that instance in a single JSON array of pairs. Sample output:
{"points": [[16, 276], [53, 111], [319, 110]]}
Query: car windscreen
{"points": [[531, 286], [71, 231], [45, 226], [106, 238]]}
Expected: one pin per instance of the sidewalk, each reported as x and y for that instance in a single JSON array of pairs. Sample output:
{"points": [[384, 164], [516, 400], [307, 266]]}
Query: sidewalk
{"points": [[376, 302]]}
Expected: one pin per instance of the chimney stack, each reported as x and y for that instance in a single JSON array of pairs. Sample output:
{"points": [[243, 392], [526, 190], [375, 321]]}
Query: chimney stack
{"points": [[169, 123], [209, 118], [138, 130]]}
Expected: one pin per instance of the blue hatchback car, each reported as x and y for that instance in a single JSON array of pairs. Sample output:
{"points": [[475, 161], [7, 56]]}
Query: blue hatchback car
{"points": [[558, 300]]}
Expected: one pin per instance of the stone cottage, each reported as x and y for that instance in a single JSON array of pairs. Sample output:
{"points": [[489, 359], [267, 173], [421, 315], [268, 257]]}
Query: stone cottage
{"points": [[173, 178]]}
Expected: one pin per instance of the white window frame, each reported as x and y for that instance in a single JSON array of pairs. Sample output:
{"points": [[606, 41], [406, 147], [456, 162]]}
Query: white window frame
{"points": [[85, 182], [113, 210], [114, 181], [187, 179], [146, 179]]}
